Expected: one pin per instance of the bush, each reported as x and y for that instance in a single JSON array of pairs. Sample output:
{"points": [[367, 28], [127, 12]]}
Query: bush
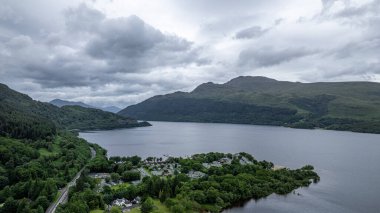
{"points": [[147, 205]]}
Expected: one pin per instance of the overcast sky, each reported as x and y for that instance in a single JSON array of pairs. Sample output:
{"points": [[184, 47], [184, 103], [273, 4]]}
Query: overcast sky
{"points": [[120, 52]]}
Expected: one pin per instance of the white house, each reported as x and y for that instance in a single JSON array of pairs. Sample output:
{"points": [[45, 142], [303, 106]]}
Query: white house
{"points": [[122, 202]]}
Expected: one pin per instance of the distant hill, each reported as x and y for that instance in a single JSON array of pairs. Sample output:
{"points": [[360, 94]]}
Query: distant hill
{"points": [[61, 103], [23, 117], [350, 106], [113, 109]]}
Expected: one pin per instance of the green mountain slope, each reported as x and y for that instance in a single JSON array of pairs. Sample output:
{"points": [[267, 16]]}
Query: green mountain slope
{"points": [[259, 100], [22, 117], [37, 155]]}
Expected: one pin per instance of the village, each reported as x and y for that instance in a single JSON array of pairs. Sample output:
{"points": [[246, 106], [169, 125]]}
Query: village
{"points": [[164, 167]]}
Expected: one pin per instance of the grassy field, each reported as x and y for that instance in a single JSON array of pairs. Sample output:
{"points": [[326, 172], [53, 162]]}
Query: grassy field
{"points": [[119, 186], [97, 211], [159, 208], [55, 148]]}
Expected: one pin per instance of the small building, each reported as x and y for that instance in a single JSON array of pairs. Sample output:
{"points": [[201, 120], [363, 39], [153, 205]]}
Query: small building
{"points": [[157, 172], [225, 161], [137, 200], [122, 203], [195, 174], [214, 163], [245, 161]]}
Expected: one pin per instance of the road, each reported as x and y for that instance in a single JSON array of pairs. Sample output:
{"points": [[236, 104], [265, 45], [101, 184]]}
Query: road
{"points": [[143, 173], [64, 196]]}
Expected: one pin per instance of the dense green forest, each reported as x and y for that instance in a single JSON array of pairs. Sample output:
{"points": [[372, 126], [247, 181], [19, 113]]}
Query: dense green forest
{"points": [[32, 171], [221, 187], [207, 110], [38, 155], [351, 106]]}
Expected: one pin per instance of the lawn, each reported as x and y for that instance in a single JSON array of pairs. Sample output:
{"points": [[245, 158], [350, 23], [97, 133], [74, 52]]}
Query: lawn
{"points": [[119, 186], [97, 211]]}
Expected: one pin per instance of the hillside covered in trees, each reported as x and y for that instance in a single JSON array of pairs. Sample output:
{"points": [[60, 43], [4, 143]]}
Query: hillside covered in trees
{"points": [[349, 106], [38, 155], [32, 171], [22, 117]]}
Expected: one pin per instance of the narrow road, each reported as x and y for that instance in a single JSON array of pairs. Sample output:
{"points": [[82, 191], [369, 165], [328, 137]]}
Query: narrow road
{"points": [[143, 173], [63, 198]]}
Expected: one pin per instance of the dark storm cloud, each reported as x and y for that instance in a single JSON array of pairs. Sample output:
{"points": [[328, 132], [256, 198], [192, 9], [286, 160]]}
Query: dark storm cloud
{"points": [[268, 56]]}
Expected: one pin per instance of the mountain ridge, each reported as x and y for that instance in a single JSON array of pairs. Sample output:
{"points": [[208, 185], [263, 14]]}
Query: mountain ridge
{"points": [[61, 103], [331, 105]]}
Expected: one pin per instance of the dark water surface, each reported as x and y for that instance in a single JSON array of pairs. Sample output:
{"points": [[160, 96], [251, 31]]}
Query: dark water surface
{"points": [[348, 163]]}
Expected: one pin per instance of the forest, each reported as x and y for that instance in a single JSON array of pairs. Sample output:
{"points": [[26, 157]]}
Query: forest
{"points": [[32, 171], [40, 151]]}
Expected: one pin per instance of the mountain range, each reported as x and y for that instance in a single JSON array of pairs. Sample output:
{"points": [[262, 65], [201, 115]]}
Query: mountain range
{"points": [[61, 103], [352, 106]]}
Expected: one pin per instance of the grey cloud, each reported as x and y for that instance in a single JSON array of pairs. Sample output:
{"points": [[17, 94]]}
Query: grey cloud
{"points": [[21, 41], [365, 70], [90, 52], [267, 56], [219, 8], [251, 32], [371, 8], [8, 14], [43, 75], [131, 45], [32, 17], [256, 31], [367, 48], [92, 47], [63, 49], [327, 4], [125, 37], [349, 10], [82, 18]]}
